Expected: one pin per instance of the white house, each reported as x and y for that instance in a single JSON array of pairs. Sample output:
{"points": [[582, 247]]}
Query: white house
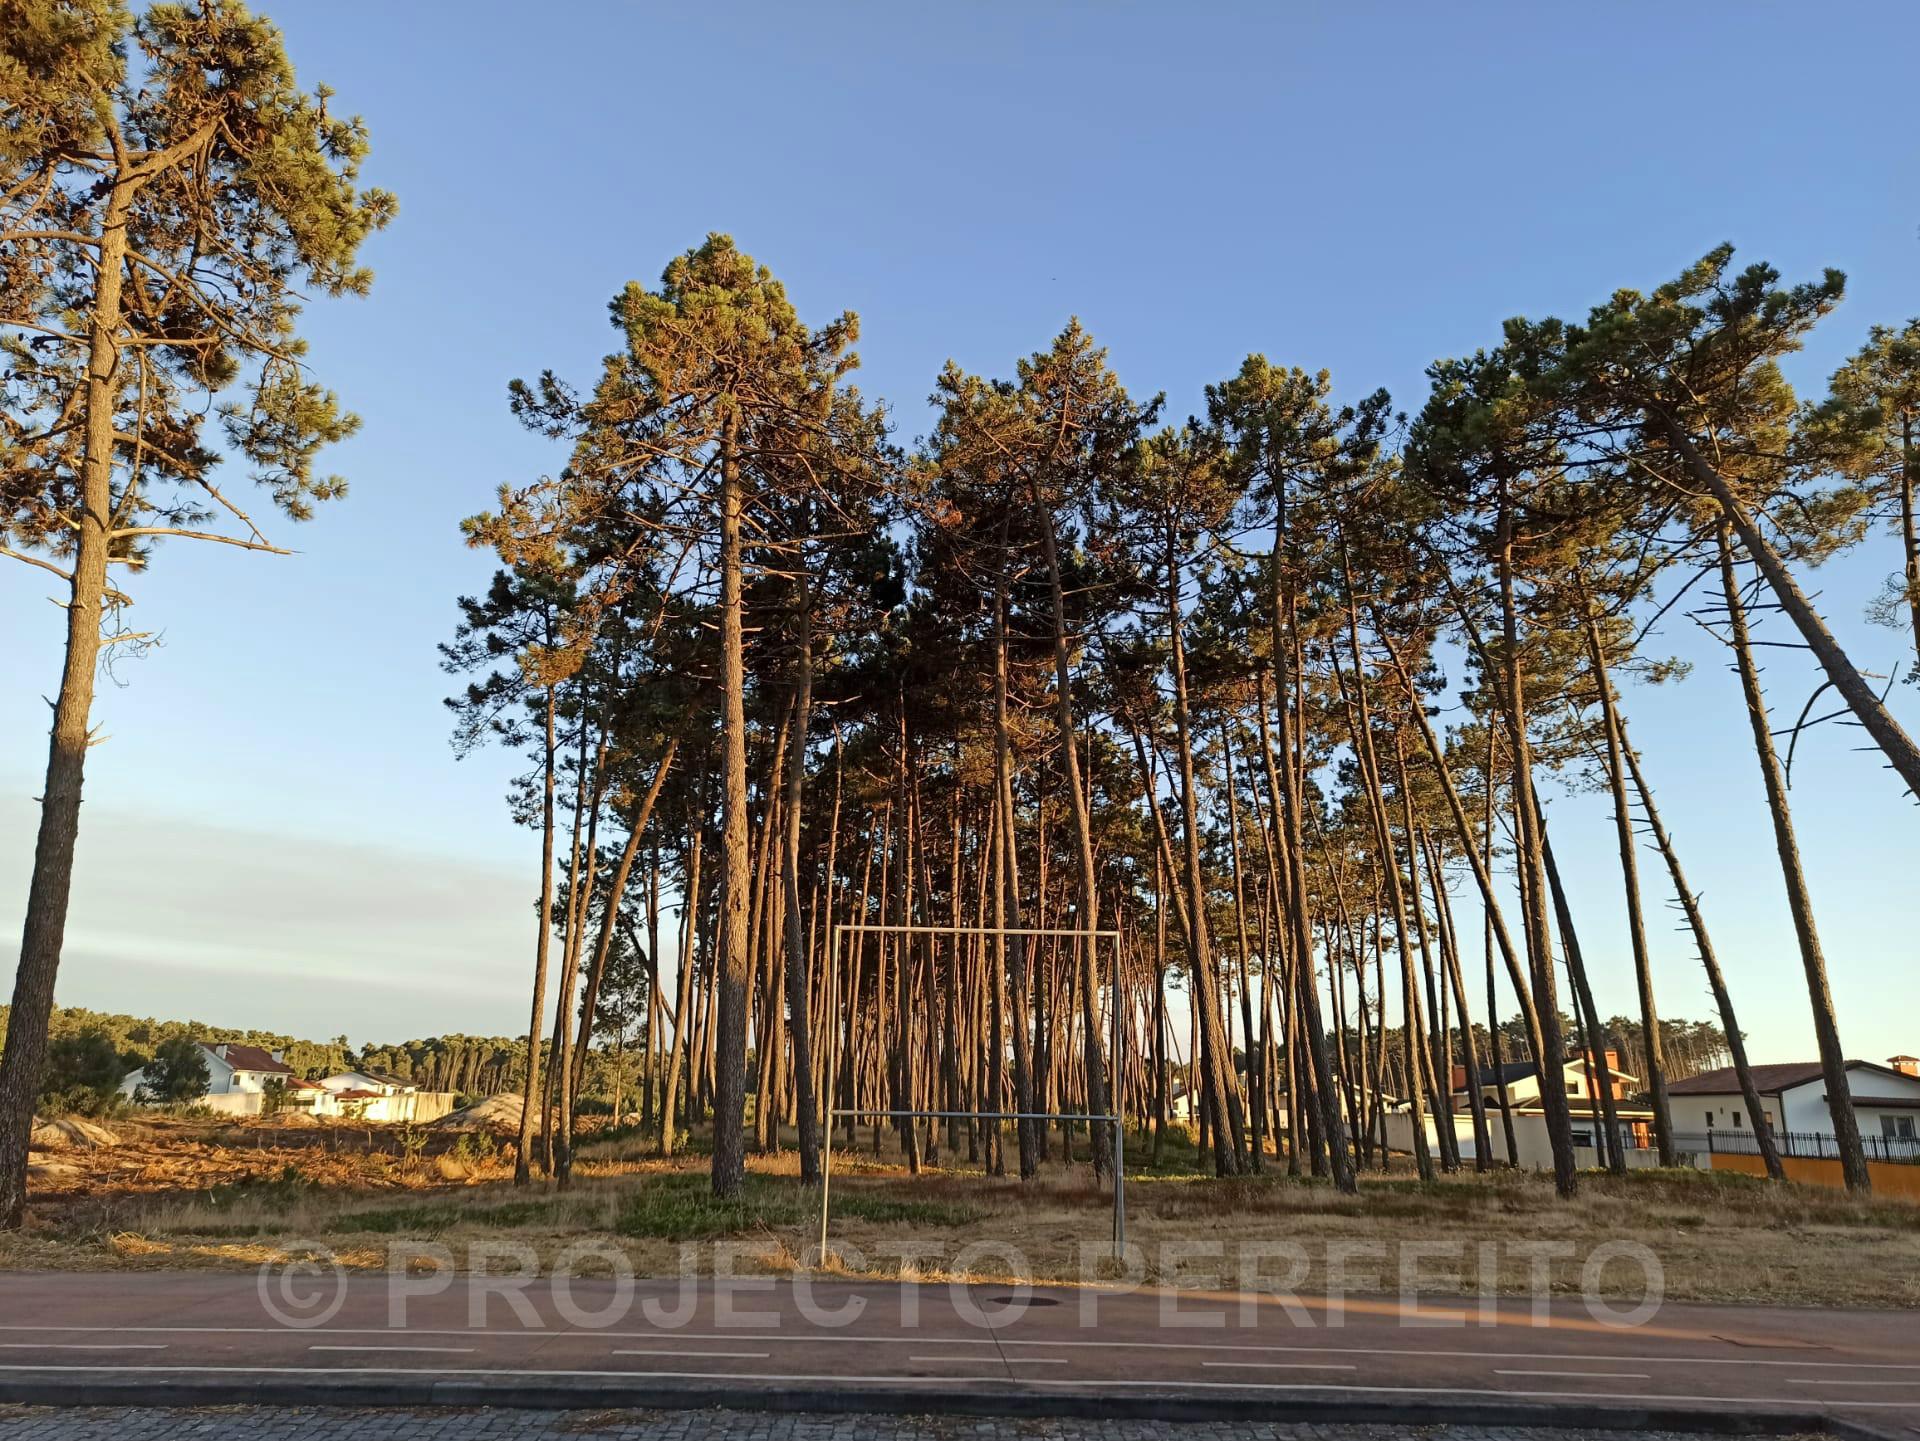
{"points": [[375, 1096], [1793, 1098], [237, 1076], [1584, 1080]]}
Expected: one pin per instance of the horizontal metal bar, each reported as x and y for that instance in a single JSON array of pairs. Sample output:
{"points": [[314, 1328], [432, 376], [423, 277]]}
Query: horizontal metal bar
{"points": [[972, 930], [973, 1116]]}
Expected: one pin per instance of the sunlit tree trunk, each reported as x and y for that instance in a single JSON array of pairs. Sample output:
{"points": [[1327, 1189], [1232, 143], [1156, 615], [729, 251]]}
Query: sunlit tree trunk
{"points": [[534, 1081], [807, 1104], [1088, 917], [732, 964], [1656, 1063], [1606, 1121], [1826, 1029], [44, 931], [1553, 1089], [1012, 950], [1716, 981]]}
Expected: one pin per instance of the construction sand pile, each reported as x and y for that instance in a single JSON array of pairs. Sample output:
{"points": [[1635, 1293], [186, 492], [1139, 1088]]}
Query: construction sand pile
{"points": [[501, 1112], [70, 1133]]}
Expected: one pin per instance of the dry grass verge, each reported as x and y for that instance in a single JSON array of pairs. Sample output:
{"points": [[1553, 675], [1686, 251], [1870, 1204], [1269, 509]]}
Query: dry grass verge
{"points": [[239, 1196]]}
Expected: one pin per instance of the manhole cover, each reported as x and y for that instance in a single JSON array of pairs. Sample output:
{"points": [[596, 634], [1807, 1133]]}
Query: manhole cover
{"points": [[1022, 1301]]}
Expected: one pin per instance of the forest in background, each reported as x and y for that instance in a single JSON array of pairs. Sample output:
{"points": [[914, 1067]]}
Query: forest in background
{"points": [[618, 1076]]}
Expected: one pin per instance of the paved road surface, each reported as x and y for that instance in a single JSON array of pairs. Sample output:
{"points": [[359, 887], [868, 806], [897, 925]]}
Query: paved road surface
{"points": [[145, 1336]]}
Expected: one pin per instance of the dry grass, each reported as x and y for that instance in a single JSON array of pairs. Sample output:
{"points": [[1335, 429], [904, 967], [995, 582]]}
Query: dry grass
{"points": [[238, 1196]]}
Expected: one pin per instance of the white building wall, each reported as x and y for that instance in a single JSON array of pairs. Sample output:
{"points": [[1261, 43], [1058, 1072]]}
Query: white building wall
{"points": [[1529, 1134], [1807, 1109], [1690, 1113]]}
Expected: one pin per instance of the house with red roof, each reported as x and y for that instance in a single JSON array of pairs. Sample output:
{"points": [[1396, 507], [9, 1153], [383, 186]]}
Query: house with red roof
{"points": [[237, 1071], [1795, 1102]]}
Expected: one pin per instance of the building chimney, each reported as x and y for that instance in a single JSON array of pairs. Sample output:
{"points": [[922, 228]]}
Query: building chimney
{"points": [[221, 1050], [278, 1056], [1905, 1065]]}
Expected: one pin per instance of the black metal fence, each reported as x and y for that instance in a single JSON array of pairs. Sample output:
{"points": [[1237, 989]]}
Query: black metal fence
{"points": [[1813, 1145]]}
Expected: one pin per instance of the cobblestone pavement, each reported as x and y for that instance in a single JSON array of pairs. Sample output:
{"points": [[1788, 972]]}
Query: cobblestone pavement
{"points": [[251, 1423]]}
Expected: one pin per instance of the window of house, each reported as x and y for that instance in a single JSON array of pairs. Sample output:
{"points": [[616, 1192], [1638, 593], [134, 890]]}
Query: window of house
{"points": [[1736, 1120], [1897, 1128], [1709, 1120]]}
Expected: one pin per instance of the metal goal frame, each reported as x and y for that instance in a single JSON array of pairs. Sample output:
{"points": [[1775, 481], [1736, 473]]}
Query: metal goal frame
{"points": [[1093, 937]]}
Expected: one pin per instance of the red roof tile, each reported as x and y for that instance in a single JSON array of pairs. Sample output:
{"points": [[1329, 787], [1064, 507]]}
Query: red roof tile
{"points": [[1769, 1080], [250, 1058]]}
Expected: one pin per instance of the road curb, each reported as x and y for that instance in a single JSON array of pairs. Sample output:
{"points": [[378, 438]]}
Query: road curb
{"points": [[1012, 1403]]}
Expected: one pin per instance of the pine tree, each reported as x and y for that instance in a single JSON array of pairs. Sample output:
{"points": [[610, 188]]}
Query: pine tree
{"points": [[159, 224]]}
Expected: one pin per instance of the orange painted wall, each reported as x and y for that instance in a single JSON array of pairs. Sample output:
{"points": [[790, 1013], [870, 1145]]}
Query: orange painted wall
{"points": [[1888, 1179]]}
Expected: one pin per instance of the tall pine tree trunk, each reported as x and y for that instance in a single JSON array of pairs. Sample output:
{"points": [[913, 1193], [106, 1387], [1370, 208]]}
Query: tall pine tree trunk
{"points": [[582, 870], [44, 932], [534, 1081], [1656, 1061], [807, 1103], [684, 1006], [1716, 981], [1011, 950], [1600, 1105], [1289, 725], [1826, 1029], [616, 888], [1088, 917], [732, 963], [1553, 1086]]}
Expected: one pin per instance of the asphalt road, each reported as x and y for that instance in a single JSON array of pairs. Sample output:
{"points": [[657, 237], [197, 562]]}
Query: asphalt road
{"points": [[187, 1338]]}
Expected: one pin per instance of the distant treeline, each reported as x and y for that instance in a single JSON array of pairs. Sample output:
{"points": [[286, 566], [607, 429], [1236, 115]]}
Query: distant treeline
{"points": [[467, 1064]]}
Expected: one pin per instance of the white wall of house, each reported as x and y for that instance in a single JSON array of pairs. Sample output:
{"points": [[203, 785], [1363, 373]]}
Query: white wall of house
{"points": [[1803, 1109], [414, 1106], [1529, 1134], [1807, 1109], [1723, 1111]]}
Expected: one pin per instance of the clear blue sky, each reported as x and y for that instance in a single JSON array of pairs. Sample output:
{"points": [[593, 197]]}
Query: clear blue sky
{"points": [[276, 832]]}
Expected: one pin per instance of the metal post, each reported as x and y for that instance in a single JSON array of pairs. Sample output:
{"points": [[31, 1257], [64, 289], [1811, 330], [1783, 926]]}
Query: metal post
{"points": [[833, 1076], [1119, 1115], [853, 1111]]}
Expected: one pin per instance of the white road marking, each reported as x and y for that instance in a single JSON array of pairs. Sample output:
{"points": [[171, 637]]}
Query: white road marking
{"points": [[1011, 1360], [1280, 1365], [1594, 1375], [1004, 1341], [421, 1350], [82, 1346], [696, 1355], [1842, 1381]]}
